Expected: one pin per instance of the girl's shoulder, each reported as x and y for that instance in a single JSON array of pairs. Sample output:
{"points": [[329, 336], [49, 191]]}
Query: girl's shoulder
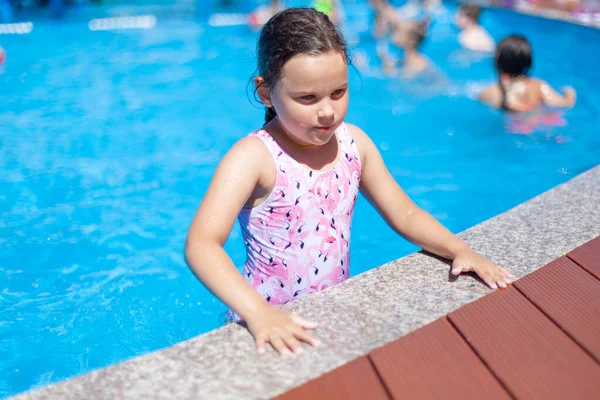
{"points": [[537, 84], [354, 132], [252, 146], [362, 140], [249, 152]]}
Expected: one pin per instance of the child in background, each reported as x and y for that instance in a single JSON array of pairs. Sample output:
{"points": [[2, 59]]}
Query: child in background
{"points": [[293, 184], [473, 36], [261, 15], [515, 90], [408, 36], [386, 16]]}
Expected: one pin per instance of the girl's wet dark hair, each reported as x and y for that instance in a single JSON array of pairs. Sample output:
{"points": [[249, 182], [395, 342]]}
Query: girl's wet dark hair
{"points": [[291, 32], [513, 56]]}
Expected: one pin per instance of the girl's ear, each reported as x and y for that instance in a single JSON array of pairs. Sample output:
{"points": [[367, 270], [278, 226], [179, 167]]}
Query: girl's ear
{"points": [[263, 91]]}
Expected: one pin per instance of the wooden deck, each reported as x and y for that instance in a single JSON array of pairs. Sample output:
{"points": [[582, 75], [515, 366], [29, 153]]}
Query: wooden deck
{"points": [[538, 339]]}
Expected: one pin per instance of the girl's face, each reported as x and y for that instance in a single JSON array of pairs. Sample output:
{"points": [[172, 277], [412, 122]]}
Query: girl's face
{"points": [[462, 21], [311, 97]]}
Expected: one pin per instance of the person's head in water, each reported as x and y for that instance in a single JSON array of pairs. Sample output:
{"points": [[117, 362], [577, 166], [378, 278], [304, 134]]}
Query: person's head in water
{"points": [[410, 35], [302, 74], [513, 57], [468, 15]]}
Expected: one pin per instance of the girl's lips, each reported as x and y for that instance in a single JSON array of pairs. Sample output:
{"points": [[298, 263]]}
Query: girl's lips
{"points": [[323, 128]]}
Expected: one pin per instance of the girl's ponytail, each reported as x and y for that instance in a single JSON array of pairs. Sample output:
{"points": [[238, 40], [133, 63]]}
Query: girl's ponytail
{"points": [[270, 114]]}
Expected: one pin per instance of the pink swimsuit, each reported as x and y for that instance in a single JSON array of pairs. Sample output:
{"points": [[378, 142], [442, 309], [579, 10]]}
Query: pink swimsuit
{"points": [[298, 240]]}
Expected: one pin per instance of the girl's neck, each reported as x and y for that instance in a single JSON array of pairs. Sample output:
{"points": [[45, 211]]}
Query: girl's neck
{"points": [[413, 59], [316, 157], [471, 28], [411, 55], [276, 127], [515, 80]]}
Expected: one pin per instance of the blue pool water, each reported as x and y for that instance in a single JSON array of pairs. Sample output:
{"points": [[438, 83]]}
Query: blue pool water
{"points": [[108, 141]]}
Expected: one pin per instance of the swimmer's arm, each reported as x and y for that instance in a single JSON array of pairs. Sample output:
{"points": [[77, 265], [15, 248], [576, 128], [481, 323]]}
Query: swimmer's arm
{"points": [[398, 210], [553, 99], [235, 181], [491, 96], [389, 64]]}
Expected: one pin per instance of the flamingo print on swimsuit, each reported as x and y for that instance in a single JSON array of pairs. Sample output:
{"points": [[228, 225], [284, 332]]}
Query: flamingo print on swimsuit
{"points": [[298, 240]]}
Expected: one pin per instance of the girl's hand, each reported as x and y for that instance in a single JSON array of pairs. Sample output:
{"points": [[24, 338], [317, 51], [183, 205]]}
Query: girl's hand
{"points": [[569, 94], [283, 330], [568, 91], [492, 274]]}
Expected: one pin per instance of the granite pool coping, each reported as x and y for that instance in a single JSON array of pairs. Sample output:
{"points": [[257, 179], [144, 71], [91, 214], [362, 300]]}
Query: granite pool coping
{"points": [[355, 317]]}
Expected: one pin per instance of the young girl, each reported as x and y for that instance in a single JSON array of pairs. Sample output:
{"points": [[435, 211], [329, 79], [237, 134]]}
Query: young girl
{"points": [[515, 90], [293, 184]]}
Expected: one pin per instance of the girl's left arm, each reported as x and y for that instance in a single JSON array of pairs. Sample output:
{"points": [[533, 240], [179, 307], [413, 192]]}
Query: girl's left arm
{"points": [[414, 223]]}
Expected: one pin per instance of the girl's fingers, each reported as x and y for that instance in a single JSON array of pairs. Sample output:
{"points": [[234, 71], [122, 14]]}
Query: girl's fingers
{"points": [[293, 344], [307, 337], [495, 276], [456, 270], [260, 344], [506, 277], [498, 279], [279, 345], [303, 322], [506, 272], [491, 283]]}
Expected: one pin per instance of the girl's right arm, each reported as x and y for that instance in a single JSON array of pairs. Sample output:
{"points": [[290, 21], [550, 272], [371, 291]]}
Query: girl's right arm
{"points": [[553, 99], [245, 174]]}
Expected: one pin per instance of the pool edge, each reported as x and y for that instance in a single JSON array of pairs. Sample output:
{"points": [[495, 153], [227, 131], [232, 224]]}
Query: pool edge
{"points": [[363, 313], [581, 19]]}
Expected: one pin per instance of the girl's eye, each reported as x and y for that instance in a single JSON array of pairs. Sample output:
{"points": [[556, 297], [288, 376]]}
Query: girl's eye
{"points": [[308, 97], [338, 92]]}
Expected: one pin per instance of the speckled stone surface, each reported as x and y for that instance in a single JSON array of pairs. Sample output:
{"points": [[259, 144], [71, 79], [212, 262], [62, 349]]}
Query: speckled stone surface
{"points": [[356, 316]]}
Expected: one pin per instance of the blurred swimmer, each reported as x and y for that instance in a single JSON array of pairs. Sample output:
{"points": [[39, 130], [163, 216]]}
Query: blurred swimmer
{"points": [[473, 36], [515, 90]]}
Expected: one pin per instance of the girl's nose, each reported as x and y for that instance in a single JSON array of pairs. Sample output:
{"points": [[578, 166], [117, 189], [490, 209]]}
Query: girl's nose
{"points": [[326, 111]]}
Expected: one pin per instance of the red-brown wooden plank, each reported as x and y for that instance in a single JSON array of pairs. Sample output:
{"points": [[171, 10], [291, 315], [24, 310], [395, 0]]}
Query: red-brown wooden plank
{"points": [[570, 297], [355, 380], [531, 356], [434, 362], [588, 256]]}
